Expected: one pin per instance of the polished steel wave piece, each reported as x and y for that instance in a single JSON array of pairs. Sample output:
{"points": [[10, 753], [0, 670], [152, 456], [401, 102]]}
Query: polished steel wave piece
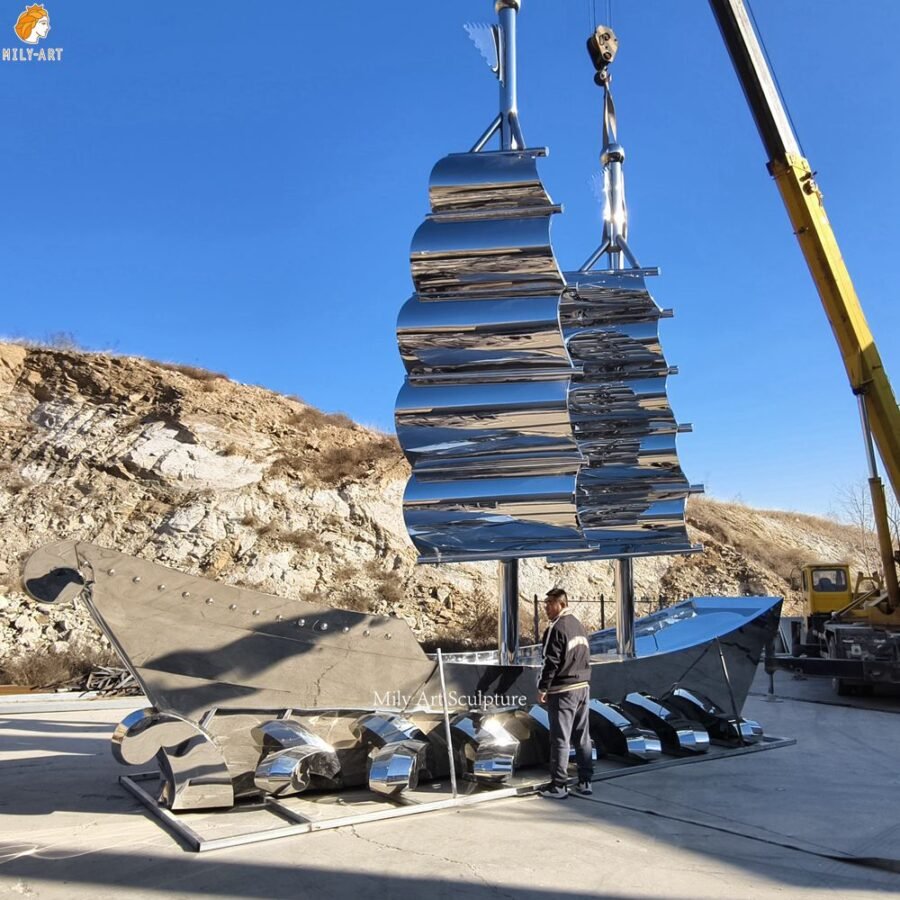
{"points": [[379, 729], [193, 771], [395, 767], [291, 755], [534, 413], [398, 754], [540, 734], [614, 730], [488, 749], [721, 725], [677, 733]]}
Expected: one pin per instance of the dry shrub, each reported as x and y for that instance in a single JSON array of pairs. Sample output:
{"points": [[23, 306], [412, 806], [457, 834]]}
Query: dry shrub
{"points": [[17, 484], [311, 417], [345, 574], [63, 340], [289, 463], [47, 669], [724, 522], [342, 464], [194, 372], [302, 540], [231, 450], [388, 586], [390, 589], [476, 631], [357, 601], [482, 624]]}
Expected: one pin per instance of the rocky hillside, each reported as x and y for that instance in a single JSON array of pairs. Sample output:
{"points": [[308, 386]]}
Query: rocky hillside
{"points": [[237, 483]]}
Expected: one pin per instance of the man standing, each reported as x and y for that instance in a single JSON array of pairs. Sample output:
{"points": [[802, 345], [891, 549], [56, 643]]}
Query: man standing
{"points": [[565, 687]]}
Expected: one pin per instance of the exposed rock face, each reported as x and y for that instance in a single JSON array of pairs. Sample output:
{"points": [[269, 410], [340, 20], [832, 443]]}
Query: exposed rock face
{"points": [[241, 484]]}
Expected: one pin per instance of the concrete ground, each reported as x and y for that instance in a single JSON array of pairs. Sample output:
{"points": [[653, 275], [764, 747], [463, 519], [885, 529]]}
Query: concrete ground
{"points": [[748, 826]]}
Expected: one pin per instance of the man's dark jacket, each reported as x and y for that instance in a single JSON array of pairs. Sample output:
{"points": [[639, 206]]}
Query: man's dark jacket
{"points": [[567, 656]]}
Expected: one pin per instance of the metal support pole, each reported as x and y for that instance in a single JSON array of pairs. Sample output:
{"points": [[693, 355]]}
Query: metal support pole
{"points": [[770, 671], [537, 620], [447, 732], [624, 606], [615, 216], [734, 708], [510, 133], [879, 511], [508, 620]]}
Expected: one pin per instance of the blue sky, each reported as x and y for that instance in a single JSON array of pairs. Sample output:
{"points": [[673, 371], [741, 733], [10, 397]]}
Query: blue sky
{"points": [[235, 185]]}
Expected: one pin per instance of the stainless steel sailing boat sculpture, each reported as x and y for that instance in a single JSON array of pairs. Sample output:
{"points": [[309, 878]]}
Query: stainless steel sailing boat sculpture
{"points": [[536, 420]]}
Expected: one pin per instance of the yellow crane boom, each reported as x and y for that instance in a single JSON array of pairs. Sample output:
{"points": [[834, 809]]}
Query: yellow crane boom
{"points": [[803, 200]]}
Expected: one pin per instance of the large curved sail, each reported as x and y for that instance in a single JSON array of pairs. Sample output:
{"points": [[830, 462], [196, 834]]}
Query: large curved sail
{"points": [[534, 412]]}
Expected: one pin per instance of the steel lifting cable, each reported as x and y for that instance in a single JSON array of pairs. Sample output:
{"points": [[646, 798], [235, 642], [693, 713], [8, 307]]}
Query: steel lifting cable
{"points": [[765, 51], [609, 115]]}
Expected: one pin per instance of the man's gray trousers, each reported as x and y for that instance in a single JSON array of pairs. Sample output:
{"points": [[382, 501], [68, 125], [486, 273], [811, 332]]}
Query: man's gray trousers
{"points": [[568, 714]]}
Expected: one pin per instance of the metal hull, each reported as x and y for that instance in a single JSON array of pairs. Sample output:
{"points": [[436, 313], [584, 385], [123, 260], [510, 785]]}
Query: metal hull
{"points": [[244, 684]]}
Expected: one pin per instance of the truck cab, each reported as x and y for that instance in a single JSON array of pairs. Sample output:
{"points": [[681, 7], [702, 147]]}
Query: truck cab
{"points": [[826, 587], [833, 629]]}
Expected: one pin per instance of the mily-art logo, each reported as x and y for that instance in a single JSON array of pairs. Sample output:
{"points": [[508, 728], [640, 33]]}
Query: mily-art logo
{"points": [[32, 26]]}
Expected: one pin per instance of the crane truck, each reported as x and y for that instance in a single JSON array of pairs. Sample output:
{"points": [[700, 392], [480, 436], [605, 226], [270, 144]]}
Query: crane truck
{"points": [[850, 633]]}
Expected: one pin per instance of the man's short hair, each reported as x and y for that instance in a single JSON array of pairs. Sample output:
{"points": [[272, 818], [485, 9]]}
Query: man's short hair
{"points": [[559, 595]]}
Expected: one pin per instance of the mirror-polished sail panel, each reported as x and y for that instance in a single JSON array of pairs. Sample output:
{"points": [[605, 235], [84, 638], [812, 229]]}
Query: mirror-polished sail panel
{"points": [[481, 430], [534, 414], [473, 184], [492, 339]]}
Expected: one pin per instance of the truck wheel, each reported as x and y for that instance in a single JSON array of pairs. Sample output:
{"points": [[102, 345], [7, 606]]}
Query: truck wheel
{"points": [[841, 687]]}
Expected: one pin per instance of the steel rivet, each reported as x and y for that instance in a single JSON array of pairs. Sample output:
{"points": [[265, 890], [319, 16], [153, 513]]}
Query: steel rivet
{"points": [[112, 572], [345, 629], [210, 600], [185, 593], [324, 626], [366, 633], [160, 587], [279, 617], [233, 606], [301, 623], [255, 612], [136, 579], [388, 636]]}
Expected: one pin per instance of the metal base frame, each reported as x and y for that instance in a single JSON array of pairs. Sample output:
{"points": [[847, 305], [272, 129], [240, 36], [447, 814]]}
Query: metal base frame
{"points": [[305, 814]]}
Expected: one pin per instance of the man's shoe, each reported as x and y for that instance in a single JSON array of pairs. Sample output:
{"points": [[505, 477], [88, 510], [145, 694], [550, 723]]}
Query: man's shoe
{"points": [[555, 793], [583, 789]]}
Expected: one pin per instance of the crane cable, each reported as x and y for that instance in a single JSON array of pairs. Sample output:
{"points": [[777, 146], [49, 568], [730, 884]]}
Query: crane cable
{"points": [[592, 14], [765, 50]]}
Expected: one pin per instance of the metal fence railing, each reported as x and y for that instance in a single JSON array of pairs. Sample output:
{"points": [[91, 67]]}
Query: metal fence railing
{"points": [[643, 606]]}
